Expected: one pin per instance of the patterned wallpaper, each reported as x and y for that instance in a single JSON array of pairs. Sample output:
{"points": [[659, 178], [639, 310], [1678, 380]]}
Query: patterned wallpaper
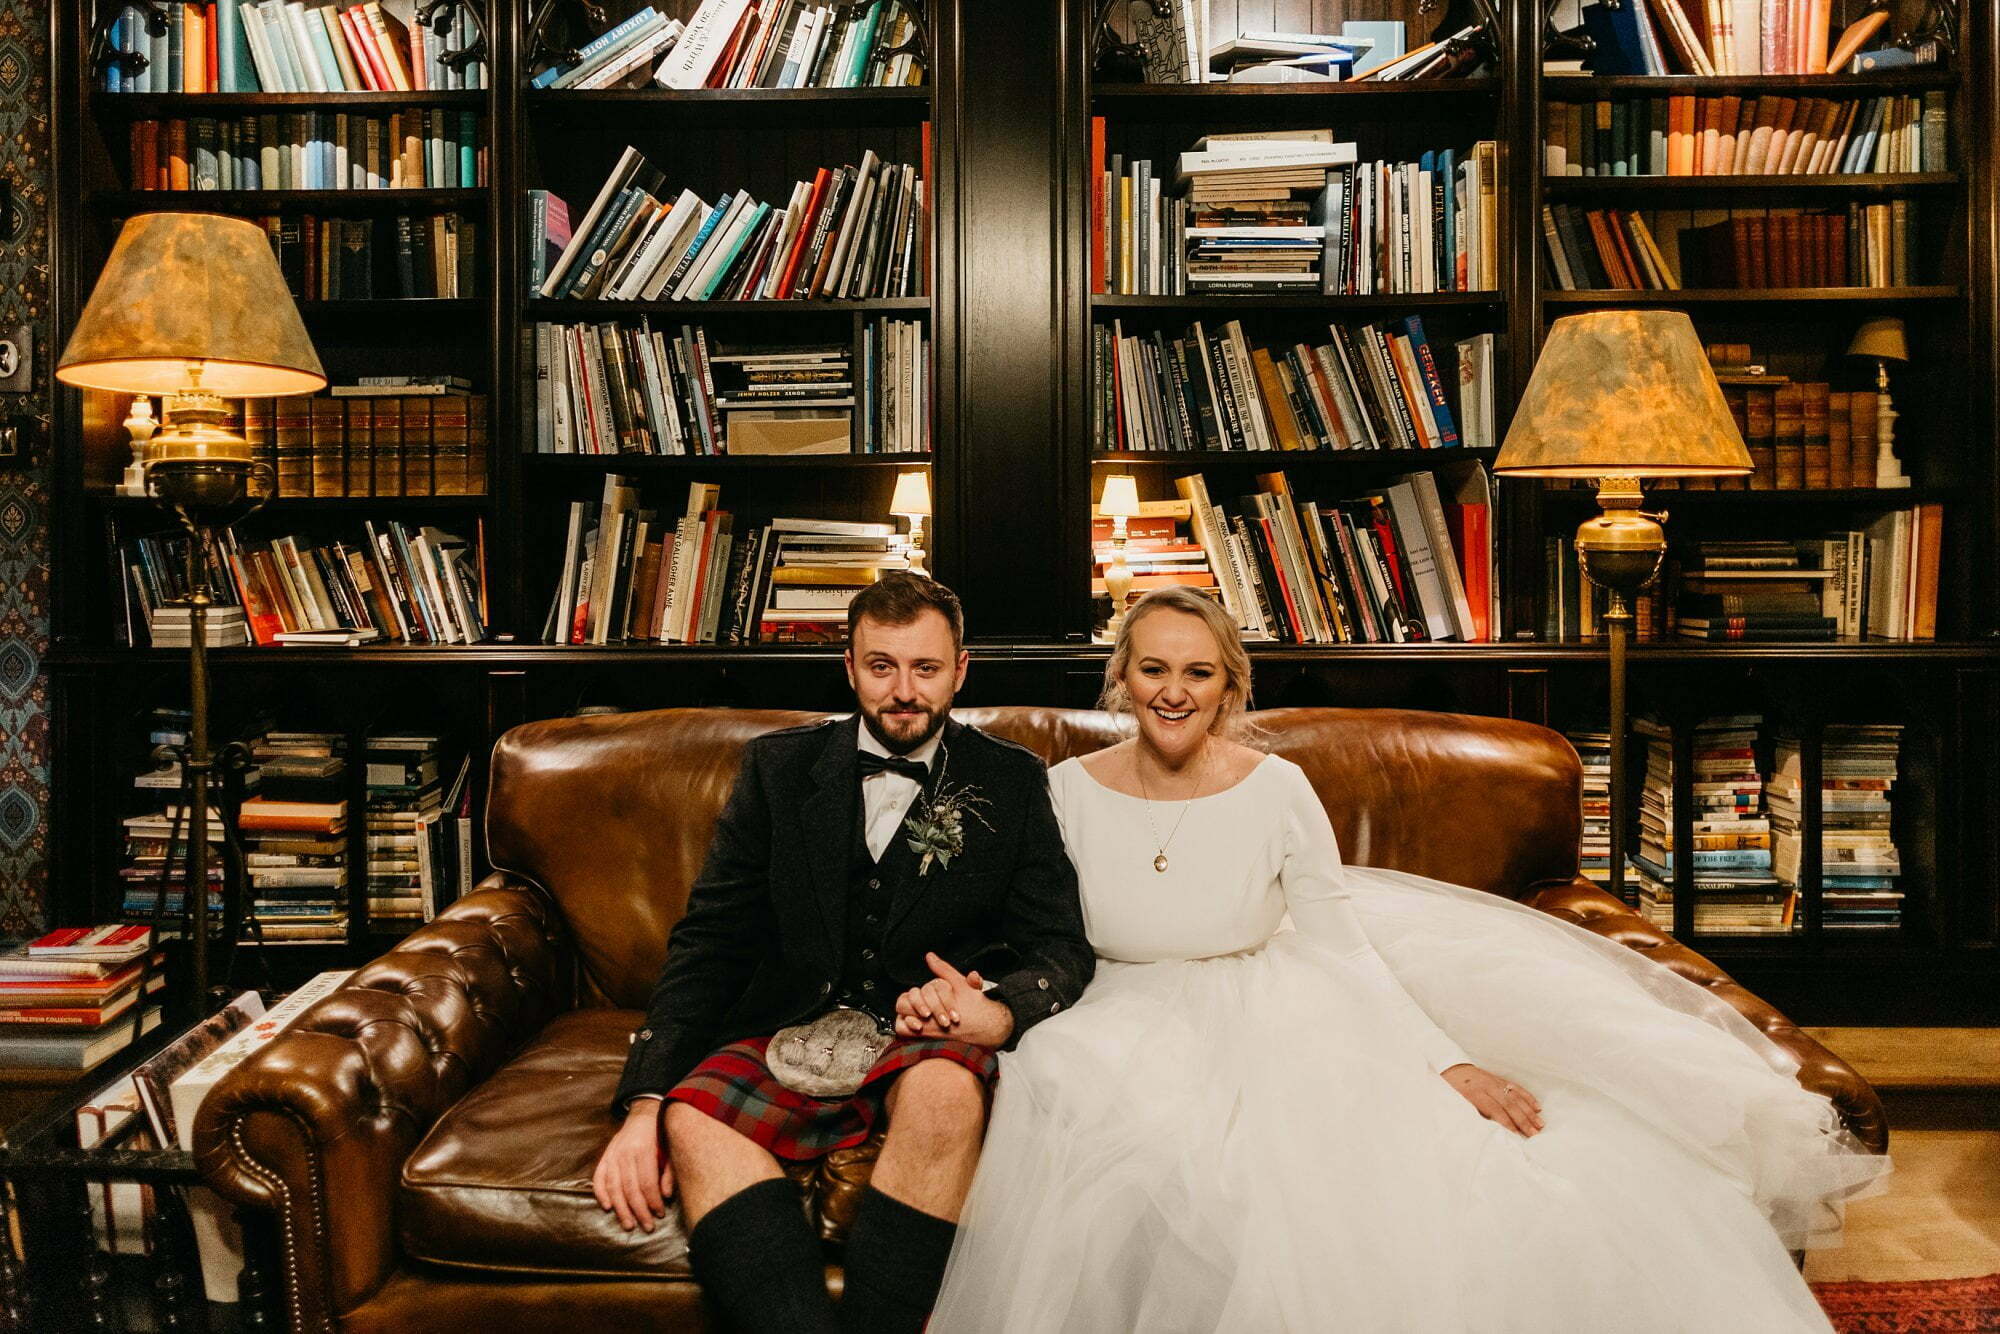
{"points": [[24, 494]]}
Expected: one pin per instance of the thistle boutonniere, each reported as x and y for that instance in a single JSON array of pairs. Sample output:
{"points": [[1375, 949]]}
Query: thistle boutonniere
{"points": [[938, 830]]}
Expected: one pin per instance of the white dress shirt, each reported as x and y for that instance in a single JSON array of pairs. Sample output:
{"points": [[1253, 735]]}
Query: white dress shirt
{"points": [[885, 796]]}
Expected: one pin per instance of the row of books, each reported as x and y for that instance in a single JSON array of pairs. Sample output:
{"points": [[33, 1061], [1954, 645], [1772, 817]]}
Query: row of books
{"points": [[1400, 564], [1768, 135], [418, 585], [1725, 37], [283, 46], [629, 575], [381, 440], [1371, 386], [1877, 582], [852, 232], [417, 149], [1294, 211], [627, 388], [410, 256], [1861, 245], [1805, 435], [738, 44]]}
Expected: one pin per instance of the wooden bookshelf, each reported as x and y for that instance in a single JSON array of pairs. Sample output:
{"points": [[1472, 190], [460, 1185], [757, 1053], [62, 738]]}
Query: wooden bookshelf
{"points": [[1008, 101]]}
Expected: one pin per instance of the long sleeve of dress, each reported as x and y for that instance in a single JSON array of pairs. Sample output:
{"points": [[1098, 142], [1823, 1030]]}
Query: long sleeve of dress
{"points": [[1316, 895]]}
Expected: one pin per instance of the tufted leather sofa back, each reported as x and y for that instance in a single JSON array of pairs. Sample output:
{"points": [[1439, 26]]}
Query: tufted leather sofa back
{"points": [[612, 815]]}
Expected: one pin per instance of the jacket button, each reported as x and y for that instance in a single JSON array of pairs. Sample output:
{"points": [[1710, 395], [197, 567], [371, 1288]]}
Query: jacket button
{"points": [[868, 955], [874, 884], [645, 1035], [826, 988], [1042, 982], [1054, 1006]]}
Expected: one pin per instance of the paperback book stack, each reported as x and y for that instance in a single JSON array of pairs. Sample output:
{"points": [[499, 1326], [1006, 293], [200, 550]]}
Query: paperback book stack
{"points": [[1753, 589], [409, 860], [1159, 551], [1278, 57], [1735, 890], [149, 872], [70, 999], [295, 836], [1859, 863], [1248, 200], [816, 566], [1594, 853], [155, 586], [795, 400]]}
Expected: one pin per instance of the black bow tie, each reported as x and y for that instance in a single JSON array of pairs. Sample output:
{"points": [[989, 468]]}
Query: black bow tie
{"points": [[914, 770]]}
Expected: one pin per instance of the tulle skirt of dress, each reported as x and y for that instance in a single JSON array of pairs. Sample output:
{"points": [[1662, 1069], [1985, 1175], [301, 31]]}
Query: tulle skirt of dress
{"points": [[1247, 1143]]}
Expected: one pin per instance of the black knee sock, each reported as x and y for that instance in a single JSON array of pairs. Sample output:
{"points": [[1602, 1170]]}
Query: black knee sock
{"points": [[758, 1260], [895, 1265]]}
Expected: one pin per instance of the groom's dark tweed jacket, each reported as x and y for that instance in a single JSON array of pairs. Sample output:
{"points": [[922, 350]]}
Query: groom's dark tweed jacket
{"points": [[762, 943]]}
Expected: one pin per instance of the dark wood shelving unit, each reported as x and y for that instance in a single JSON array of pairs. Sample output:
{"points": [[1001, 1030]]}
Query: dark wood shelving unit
{"points": [[1007, 103], [1737, 296]]}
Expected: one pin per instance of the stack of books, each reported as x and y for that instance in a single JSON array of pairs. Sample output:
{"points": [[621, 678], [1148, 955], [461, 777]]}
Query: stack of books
{"points": [[622, 57], [1859, 863], [1370, 386], [295, 836], [1281, 57], [1249, 194], [236, 46], [1736, 891], [792, 400], [1159, 551], [850, 233], [810, 569], [67, 999], [1594, 852], [1753, 589], [151, 836], [1398, 565], [408, 861]]}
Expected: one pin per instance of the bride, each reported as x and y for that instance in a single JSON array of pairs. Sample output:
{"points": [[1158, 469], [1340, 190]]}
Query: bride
{"points": [[1420, 1108]]}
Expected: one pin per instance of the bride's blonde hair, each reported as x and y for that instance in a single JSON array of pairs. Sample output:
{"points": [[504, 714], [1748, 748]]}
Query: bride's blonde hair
{"points": [[1229, 718]]}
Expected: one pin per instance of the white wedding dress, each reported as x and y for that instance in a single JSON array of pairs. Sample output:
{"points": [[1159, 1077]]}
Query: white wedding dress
{"points": [[1241, 1126]]}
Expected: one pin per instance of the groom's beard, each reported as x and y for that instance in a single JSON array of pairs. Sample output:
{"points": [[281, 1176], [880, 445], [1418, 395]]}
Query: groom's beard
{"points": [[902, 732]]}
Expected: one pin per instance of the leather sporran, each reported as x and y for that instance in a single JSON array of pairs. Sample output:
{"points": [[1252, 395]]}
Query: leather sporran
{"points": [[829, 1057]]}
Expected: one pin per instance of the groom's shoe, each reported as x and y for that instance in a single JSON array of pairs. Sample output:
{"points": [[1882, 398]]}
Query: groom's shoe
{"points": [[758, 1261], [895, 1266]]}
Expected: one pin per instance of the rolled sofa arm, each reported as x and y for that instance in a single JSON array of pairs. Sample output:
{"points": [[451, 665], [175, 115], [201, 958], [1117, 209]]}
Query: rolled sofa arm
{"points": [[1820, 1070], [329, 1111]]}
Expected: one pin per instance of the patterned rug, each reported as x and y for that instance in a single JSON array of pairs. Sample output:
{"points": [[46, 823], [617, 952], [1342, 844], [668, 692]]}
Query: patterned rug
{"points": [[1944, 1306]]}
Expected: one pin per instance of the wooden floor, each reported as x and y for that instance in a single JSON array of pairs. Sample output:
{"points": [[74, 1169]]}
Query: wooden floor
{"points": [[1940, 1216]]}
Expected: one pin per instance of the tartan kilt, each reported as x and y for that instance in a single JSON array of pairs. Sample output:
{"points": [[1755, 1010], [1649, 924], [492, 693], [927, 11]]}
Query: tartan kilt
{"points": [[737, 1088]]}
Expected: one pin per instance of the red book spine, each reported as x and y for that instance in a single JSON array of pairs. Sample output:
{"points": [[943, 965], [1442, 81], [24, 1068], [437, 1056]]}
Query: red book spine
{"points": [[1097, 203], [210, 68]]}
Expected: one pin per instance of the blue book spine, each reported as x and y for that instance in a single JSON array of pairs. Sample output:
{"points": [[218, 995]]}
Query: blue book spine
{"points": [[743, 235], [468, 150], [228, 39], [156, 45], [173, 49], [548, 76], [115, 78], [1448, 165], [329, 64]]}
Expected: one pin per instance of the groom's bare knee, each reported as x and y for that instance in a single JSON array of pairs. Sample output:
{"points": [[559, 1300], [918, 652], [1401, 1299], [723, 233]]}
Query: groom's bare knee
{"points": [[938, 1101], [711, 1161]]}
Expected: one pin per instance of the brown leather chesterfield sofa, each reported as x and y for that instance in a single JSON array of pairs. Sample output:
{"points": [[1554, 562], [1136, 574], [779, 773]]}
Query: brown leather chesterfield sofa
{"points": [[425, 1136]]}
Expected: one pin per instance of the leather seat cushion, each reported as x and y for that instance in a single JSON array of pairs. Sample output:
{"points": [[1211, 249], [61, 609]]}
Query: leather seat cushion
{"points": [[502, 1182]]}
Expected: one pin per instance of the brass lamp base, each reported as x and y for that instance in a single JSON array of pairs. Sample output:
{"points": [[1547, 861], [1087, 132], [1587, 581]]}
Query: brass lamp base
{"points": [[1620, 551]]}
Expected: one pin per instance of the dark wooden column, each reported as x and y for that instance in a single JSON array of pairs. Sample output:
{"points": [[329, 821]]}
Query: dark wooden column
{"points": [[1002, 493]]}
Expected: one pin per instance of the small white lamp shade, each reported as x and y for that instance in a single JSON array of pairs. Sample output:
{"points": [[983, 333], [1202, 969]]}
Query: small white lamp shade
{"points": [[913, 494], [1120, 497]]}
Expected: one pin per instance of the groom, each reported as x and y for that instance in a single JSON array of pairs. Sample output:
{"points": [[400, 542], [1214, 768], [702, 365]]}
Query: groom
{"points": [[855, 859]]}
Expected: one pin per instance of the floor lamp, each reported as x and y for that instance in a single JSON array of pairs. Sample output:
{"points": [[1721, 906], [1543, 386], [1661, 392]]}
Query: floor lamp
{"points": [[192, 306], [1617, 395]]}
